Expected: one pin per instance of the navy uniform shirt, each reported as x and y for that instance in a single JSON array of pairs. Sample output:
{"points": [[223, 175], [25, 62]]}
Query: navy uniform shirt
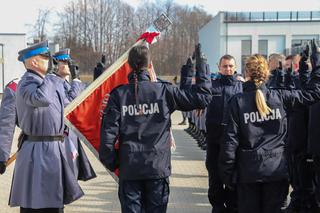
{"points": [[223, 89]]}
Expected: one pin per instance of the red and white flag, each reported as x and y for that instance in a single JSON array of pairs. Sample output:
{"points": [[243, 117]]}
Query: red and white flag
{"points": [[85, 113]]}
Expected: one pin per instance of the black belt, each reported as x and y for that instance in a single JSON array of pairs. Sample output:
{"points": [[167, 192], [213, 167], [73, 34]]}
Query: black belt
{"points": [[44, 138]]}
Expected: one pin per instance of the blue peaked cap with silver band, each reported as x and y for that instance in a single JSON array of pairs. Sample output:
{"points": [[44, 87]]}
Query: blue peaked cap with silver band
{"points": [[62, 55], [41, 48]]}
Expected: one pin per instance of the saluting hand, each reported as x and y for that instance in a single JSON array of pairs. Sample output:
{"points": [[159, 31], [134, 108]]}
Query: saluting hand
{"points": [[315, 54], [74, 70], [304, 61], [305, 54], [190, 62]]}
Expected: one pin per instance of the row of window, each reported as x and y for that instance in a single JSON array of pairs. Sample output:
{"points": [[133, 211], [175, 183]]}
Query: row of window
{"points": [[272, 16]]}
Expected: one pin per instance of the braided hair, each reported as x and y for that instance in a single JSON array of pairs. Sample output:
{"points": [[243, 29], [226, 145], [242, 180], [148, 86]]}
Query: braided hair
{"points": [[138, 60], [258, 70]]}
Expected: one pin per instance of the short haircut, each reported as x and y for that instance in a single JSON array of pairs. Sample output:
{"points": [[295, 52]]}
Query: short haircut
{"points": [[293, 57], [138, 57], [226, 57], [276, 56], [289, 57]]}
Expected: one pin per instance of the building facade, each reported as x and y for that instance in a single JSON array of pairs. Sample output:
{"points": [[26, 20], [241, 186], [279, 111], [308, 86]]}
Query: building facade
{"points": [[241, 34], [10, 67]]}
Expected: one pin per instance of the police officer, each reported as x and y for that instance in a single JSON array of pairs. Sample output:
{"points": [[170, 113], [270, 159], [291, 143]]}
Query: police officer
{"points": [[43, 180], [314, 151], [300, 166], [77, 158], [253, 152], [100, 67], [277, 75], [224, 87], [8, 121], [139, 115]]}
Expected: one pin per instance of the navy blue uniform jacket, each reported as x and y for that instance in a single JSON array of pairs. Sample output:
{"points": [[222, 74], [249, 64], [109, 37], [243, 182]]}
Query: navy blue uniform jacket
{"points": [[144, 150]]}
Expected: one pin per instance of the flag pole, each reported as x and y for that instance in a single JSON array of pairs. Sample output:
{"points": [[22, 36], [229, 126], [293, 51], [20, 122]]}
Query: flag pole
{"points": [[11, 159]]}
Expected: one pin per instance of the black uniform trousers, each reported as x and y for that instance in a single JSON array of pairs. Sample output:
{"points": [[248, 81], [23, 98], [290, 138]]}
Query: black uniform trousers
{"points": [[261, 197], [219, 196], [316, 162], [46, 210], [302, 179], [144, 196]]}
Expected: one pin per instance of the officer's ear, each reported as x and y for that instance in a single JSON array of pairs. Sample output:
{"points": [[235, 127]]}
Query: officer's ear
{"points": [[29, 62]]}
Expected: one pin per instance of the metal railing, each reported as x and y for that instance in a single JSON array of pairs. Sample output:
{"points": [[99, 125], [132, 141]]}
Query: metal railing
{"points": [[291, 16], [298, 48]]}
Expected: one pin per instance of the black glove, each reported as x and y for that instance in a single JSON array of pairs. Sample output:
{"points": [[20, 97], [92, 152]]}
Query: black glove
{"points": [[199, 55], [98, 70], [103, 59], [305, 54], [3, 167], [190, 62], [74, 70], [304, 61], [52, 65], [315, 54]]}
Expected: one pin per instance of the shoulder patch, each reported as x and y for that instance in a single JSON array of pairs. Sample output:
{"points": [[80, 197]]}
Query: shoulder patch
{"points": [[13, 84]]}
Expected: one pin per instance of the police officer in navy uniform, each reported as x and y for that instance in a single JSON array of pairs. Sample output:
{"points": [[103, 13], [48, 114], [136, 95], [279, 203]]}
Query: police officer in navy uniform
{"points": [[77, 157], [8, 121], [253, 153], [43, 180], [314, 151], [299, 160], [224, 88], [138, 114]]}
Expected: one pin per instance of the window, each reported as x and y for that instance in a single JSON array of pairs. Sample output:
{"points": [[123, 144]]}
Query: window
{"points": [[263, 48], [245, 52]]}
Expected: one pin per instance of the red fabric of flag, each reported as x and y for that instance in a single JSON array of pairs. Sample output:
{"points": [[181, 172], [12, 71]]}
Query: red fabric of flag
{"points": [[86, 117]]}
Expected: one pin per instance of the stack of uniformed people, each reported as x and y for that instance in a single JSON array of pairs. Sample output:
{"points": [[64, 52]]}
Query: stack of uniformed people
{"points": [[302, 158], [50, 159]]}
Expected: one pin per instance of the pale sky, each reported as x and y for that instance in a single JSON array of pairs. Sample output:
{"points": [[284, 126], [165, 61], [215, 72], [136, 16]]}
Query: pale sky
{"points": [[15, 15]]}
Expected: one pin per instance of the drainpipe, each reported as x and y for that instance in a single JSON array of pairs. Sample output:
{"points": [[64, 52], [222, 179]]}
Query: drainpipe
{"points": [[226, 15]]}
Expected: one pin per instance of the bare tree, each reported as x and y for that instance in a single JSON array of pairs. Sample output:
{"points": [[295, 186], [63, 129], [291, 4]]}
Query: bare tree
{"points": [[39, 28], [93, 27]]}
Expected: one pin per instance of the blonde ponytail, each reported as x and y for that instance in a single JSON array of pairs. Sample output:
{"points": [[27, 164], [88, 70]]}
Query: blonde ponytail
{"points": [[258, 71], [262, 106]]}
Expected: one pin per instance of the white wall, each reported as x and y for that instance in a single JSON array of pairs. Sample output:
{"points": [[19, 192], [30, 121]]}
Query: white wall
{"points": [[234, 49], [276, 43], [12, 67], [211, 46]]}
